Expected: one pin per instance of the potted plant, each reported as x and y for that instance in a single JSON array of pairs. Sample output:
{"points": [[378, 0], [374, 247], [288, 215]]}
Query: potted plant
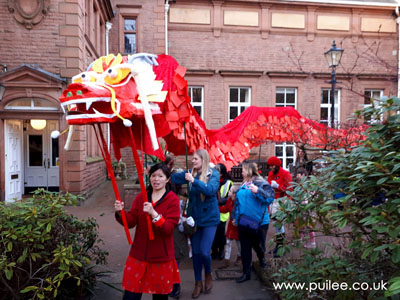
{"points": [[120, 170]]}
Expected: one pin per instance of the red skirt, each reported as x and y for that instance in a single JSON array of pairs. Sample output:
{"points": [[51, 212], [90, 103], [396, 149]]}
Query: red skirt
{"points": [[150, 278]]}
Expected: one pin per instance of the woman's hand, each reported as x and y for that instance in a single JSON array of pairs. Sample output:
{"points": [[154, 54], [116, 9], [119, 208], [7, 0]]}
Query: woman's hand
{"points": [[189, 177], [148, 208], [253, 188], [234, 223], [119, 205]]}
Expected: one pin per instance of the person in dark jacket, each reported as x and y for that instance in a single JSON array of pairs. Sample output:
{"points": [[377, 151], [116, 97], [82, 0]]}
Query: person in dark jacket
{"points": [[251, 216], [225, 184], [151, 267], [203, 208]]}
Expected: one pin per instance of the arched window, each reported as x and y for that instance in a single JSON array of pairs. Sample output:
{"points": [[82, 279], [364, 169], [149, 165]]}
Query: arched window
{"points": [[31, 104]]}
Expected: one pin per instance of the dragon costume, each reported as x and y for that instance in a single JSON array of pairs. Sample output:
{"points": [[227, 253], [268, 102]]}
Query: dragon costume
{"points": [[145, 97]]}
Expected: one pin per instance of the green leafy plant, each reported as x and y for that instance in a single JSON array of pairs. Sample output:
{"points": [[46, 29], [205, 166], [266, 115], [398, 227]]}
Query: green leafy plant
{"points": [[120, 167], [354, 200], [46, 253]]}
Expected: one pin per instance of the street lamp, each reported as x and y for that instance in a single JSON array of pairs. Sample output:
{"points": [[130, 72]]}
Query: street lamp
{"points": [[333, 57]]}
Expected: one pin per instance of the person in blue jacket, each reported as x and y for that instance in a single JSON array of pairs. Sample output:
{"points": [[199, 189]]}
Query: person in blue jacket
{"points": [[251, 217], [203, 208]]}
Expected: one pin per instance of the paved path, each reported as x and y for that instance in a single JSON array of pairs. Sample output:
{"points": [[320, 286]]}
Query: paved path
{"points": [[100, 206]]}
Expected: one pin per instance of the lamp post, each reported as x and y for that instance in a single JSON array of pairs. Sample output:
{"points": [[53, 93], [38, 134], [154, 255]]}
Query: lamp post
{"points": [[333, 57]]}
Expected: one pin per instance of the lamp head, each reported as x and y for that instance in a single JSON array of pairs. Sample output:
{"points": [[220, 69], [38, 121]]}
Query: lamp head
{"points": [[333, 56]]}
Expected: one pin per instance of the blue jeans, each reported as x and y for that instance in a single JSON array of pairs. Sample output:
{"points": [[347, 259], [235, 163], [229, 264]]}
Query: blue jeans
{"points": [[201, 241]]}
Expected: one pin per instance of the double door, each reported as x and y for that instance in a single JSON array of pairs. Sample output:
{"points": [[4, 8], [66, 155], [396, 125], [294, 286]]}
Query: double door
{"points": [[41, 167]]}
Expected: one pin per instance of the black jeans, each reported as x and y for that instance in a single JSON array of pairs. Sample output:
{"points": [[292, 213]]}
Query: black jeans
{"points": [[137, 296], [251, 239]]}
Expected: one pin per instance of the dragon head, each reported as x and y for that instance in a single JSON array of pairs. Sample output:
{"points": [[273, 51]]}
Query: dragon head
{"points": [[108, 90]]}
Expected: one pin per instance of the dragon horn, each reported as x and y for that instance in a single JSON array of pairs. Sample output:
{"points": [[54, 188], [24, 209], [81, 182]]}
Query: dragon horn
{"points": [[127, 122]]}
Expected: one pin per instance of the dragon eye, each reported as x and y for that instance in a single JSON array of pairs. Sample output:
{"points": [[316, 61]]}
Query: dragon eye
{"points": [[112, 73], [115, 74], [85, 77]]}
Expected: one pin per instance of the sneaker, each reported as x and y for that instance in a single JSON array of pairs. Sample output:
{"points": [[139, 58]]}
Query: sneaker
{"points": [[310, 245]]}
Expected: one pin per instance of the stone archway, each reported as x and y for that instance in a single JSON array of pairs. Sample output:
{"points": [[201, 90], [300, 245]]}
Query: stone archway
{"points": [[30, 93]]}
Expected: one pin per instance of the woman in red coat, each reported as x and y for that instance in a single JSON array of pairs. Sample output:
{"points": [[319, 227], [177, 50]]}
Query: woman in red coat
{"points": [[151, 267], [232, 230]]}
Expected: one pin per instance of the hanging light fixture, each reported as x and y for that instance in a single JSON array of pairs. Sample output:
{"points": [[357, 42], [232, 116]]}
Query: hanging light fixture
{"points": [[38, 124]]}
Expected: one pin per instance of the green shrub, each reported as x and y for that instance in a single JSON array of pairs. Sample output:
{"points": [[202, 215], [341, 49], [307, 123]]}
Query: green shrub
{"points": [[364, 216], [45, 253]]}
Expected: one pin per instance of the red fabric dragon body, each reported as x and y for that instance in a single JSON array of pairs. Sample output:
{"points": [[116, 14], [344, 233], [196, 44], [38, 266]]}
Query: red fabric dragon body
{"points": [[145, 97], [89, 100]]}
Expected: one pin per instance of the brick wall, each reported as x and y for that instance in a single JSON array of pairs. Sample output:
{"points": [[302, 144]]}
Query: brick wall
{"points": [[39, 45], [150, 25], [94, 174]]}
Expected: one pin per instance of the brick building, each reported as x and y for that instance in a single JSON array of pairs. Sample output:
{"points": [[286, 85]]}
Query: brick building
{"points": [[270, 53], [238, 53], [44, 43]]}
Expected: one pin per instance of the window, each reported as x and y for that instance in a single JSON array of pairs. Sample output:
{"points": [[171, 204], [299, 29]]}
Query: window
{"points": [[286, 97], [326, 107], [286, 152], [129, 36], [31, 104], [196, 94], [372, 97], [239, 100]]}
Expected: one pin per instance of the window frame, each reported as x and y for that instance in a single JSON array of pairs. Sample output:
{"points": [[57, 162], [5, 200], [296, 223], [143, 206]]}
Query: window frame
{"points": [[381, 91], [328, 106], [238, 104], [197, 104], [284, 157], [32, 106], [128, 14], [284, 104], [135, 32]]}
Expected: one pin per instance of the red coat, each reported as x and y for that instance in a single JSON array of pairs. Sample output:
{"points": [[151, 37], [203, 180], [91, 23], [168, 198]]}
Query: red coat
{"points": [[283, 178], [231, 231], [161, 249]]}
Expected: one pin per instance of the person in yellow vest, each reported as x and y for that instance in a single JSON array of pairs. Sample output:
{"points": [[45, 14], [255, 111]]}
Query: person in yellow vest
{"points": [[225, 184]]}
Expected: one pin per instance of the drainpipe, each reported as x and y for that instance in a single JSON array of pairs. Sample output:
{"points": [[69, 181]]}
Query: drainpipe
{"points": [[398, 51], [166, 9], [108, 28]]}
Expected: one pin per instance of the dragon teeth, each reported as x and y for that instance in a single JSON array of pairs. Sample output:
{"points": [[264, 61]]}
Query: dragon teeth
{"points": [[88, 104]]}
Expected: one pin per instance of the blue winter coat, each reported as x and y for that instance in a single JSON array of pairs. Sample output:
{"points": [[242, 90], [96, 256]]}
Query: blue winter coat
{"points": [[205, 213], [254, 205]]}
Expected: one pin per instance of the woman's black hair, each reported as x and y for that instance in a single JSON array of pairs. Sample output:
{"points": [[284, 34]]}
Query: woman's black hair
{"points": [[160, 166], [223, 173]]}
